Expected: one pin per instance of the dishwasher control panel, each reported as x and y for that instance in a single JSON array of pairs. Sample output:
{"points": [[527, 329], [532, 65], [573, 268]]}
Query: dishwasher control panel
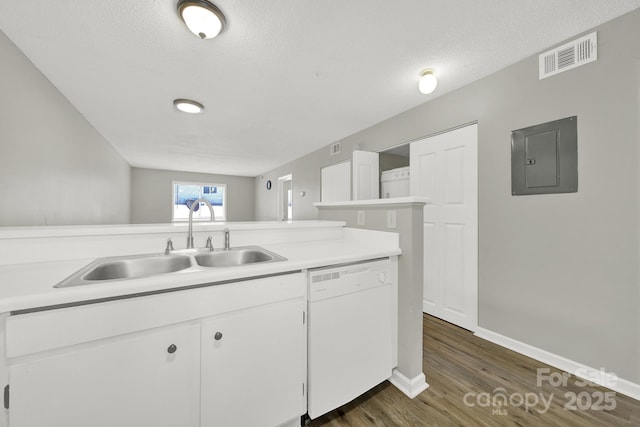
{"points": [[343, 279]]}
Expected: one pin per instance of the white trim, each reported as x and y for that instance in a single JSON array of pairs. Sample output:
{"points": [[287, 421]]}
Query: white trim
{"points": [[291, 423], [384, 150], [410, 387], [591, 374], [281, 196]]}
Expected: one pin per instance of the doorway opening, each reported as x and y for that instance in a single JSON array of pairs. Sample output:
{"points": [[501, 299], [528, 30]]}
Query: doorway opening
{"points": [[285, 198]]}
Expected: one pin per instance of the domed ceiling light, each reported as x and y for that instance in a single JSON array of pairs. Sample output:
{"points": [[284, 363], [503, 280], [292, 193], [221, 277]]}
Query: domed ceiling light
{"points": [[428, 81], [202, 18], [188, 106]]}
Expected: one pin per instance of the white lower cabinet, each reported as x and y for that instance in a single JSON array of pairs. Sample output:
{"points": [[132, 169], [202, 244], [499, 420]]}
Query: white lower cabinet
{"points": [[143, 379], [254, 366], [227, 355]]}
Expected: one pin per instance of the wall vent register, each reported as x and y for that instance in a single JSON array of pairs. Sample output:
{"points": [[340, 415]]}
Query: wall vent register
{"points": [[544, 158], [568, 56]]}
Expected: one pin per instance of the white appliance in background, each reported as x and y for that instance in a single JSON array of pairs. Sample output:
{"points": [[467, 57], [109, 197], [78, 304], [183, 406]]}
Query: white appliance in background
{"points": [[352, 332], [395, 183]]}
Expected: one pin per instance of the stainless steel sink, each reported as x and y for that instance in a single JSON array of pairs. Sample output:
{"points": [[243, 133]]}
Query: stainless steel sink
{"points": [[237, 256], [137, 266], [130, 267]]}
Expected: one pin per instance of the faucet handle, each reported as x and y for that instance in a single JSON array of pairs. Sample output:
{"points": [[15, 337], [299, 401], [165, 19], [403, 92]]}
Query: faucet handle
{"points": [[209, 244], [226, 239], [169, 247]]}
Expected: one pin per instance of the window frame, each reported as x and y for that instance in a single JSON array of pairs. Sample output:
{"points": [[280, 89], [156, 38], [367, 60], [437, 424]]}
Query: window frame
{"points": [[200, 184]]}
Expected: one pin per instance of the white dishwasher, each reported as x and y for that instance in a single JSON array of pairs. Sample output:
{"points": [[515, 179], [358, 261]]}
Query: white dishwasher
{"points": [[351, 336]]}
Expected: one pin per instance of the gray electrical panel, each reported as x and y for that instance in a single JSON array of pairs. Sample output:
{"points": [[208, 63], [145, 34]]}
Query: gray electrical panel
{"points": [[544, 158]]}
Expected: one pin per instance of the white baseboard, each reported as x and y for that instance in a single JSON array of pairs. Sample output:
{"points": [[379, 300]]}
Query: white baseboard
{"points": [[292, 423], [410, 387], [586, 372]]}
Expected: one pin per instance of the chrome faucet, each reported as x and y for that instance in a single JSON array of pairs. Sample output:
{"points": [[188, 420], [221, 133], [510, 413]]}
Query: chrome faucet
{"points": [[169, 247], [226, 239], [191, 209]]}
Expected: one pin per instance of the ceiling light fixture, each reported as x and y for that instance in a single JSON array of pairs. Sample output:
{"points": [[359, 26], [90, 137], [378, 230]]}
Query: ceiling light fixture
{"points": [[188, 106], [203, 18], [428, 81]]}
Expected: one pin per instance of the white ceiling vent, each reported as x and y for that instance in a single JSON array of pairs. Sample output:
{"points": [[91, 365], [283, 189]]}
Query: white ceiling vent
{"points": [[571, 55], [334, 149]]}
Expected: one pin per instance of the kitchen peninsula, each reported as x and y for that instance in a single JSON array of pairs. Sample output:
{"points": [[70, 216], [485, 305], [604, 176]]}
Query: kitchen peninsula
{"points": [[153, 347]]}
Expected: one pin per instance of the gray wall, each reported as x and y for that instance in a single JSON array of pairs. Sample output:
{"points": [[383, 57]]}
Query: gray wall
{"points": [[391, 161], [306, 178], [55, 168], [558, 272], [152, 192]]}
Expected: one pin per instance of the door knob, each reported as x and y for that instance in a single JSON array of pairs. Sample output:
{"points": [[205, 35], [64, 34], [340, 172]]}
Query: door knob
{"points": [[218, 336], [172, 348]]}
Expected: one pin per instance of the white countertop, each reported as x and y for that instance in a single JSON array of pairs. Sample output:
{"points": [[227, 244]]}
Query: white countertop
{"points": [[374, 202], [25, 286]]}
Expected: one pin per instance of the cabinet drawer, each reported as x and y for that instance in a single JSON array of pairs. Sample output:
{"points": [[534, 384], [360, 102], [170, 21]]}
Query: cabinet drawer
{"points": [[49, 329]]}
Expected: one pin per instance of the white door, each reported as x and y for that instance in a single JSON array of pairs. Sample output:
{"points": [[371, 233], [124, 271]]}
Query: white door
{"points": [[444, 170], [366, 175]]}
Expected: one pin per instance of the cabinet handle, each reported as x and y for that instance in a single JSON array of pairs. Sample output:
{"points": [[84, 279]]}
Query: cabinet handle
{"points": [[172, 348], [218, 336]]}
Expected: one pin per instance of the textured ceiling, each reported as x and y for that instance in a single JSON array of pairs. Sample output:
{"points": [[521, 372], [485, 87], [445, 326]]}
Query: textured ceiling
{"points": [[285, 78]]}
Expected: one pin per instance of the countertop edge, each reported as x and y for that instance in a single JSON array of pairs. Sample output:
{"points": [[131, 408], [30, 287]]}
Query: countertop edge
{"points": [[374, 202], [185, 279]]}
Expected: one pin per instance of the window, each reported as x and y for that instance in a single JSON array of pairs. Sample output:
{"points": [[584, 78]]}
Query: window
{"points": [[185, 193]]}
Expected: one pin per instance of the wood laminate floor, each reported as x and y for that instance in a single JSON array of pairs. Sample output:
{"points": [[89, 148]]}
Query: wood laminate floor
{"points": [[467, 375]]}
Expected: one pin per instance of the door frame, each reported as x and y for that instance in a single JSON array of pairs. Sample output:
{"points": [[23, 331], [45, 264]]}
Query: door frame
{"points": [[281, 197]]}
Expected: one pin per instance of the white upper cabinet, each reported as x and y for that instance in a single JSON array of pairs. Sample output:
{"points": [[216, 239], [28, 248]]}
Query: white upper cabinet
{"points": [[366, 175]]}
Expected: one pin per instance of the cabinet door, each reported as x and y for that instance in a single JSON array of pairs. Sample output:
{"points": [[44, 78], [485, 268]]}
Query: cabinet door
{"points": [[254, 366], [366, 178], [132, 381]]}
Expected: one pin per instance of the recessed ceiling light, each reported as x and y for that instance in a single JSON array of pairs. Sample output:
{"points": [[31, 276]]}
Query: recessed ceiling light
{"points": [[188, 106], [428, 81], [203, 18]]}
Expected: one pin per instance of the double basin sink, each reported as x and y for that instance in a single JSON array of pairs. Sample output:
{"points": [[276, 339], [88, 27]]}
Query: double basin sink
{"points": [[138, 266]]}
